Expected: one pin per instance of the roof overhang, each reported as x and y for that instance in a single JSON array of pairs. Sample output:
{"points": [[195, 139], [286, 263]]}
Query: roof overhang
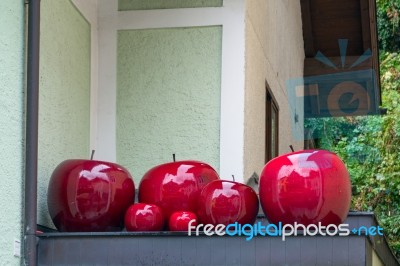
{"points": [[341, 66]]}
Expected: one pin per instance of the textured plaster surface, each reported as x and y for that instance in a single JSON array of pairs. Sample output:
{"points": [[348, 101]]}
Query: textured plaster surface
{"points": [[168, 96], [64, 92], [11, 127], [274, 53], [163, 4]]}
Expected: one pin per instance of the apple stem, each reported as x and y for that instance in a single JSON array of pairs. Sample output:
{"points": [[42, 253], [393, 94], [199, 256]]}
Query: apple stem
{"points": [[233, 177], [173, 157], [291, 147], [92, 155]]}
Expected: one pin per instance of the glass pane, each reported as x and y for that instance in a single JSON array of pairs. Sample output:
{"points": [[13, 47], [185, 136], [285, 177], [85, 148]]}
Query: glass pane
{"points": [[273, 132]]}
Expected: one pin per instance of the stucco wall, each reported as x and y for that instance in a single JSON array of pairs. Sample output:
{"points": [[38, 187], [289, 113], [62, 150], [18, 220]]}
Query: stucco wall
{"points": [[11, 126], [168, 96], [274, 53], [64, 110]]}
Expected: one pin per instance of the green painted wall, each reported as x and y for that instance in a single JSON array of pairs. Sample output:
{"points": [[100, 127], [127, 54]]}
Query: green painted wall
{"points": [[64, 92], [11, 126], [163, 4], [168, 96]]}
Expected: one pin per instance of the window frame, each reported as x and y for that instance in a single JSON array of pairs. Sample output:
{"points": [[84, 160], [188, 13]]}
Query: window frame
{"points": [[271, 106]]}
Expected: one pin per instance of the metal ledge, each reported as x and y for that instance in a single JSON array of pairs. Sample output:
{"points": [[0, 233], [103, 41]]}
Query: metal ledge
{"points": [[177, 248]]}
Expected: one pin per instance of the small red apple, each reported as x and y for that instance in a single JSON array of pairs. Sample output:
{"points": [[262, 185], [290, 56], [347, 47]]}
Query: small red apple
{"points": [[144, 217], [306, 187], [179, 221], [88, 195], [175, 186], [226, 202]]}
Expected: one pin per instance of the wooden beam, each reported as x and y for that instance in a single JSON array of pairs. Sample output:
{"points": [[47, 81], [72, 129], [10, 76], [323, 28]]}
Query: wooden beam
{"points": [[365, 24], [313, 67], [312, 90], [374, 47], [307, 28]]}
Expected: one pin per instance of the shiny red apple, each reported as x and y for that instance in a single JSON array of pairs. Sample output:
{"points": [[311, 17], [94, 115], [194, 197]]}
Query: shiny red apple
{"points": [[226, 202], [88, 195], [179, 221], [144, 217], [175, 186], [306, 187]]}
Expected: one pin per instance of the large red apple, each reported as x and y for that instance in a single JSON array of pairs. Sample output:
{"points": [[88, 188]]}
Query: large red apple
{"points": [[88, 195], [226, 202], [144, 217], [175, 186], [306, 187]]}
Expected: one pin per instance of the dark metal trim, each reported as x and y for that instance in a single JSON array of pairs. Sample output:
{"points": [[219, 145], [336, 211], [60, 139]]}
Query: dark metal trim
{"points": [[32, 121]]}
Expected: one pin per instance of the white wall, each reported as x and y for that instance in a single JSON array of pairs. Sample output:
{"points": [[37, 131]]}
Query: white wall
{"points": [[262, 36], [231, 18], [64, 96], [274, 54], [11, 128]]}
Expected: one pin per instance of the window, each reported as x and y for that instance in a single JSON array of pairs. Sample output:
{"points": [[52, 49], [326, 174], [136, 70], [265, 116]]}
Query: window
{"points": [[271, 126]]}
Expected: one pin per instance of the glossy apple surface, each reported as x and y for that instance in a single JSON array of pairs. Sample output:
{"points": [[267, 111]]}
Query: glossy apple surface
{"points": [[179, 221], [175, 186], [306, 187], [226, 202], [88, 195], [144, 217]]}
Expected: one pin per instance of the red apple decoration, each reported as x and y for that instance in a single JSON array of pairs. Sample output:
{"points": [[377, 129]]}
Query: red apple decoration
{"points": [[306, 187], [179, 221], [88, 195], [144, 217], [175, 186], [226, 202]]}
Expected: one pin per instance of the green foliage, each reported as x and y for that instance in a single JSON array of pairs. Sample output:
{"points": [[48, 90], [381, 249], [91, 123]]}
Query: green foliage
{"points": [[388, 17], [370, 148], [370, 145]]}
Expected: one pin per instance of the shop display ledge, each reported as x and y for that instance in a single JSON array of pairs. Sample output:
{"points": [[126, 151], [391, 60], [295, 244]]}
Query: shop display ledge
{"points": [[177, 248]]}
